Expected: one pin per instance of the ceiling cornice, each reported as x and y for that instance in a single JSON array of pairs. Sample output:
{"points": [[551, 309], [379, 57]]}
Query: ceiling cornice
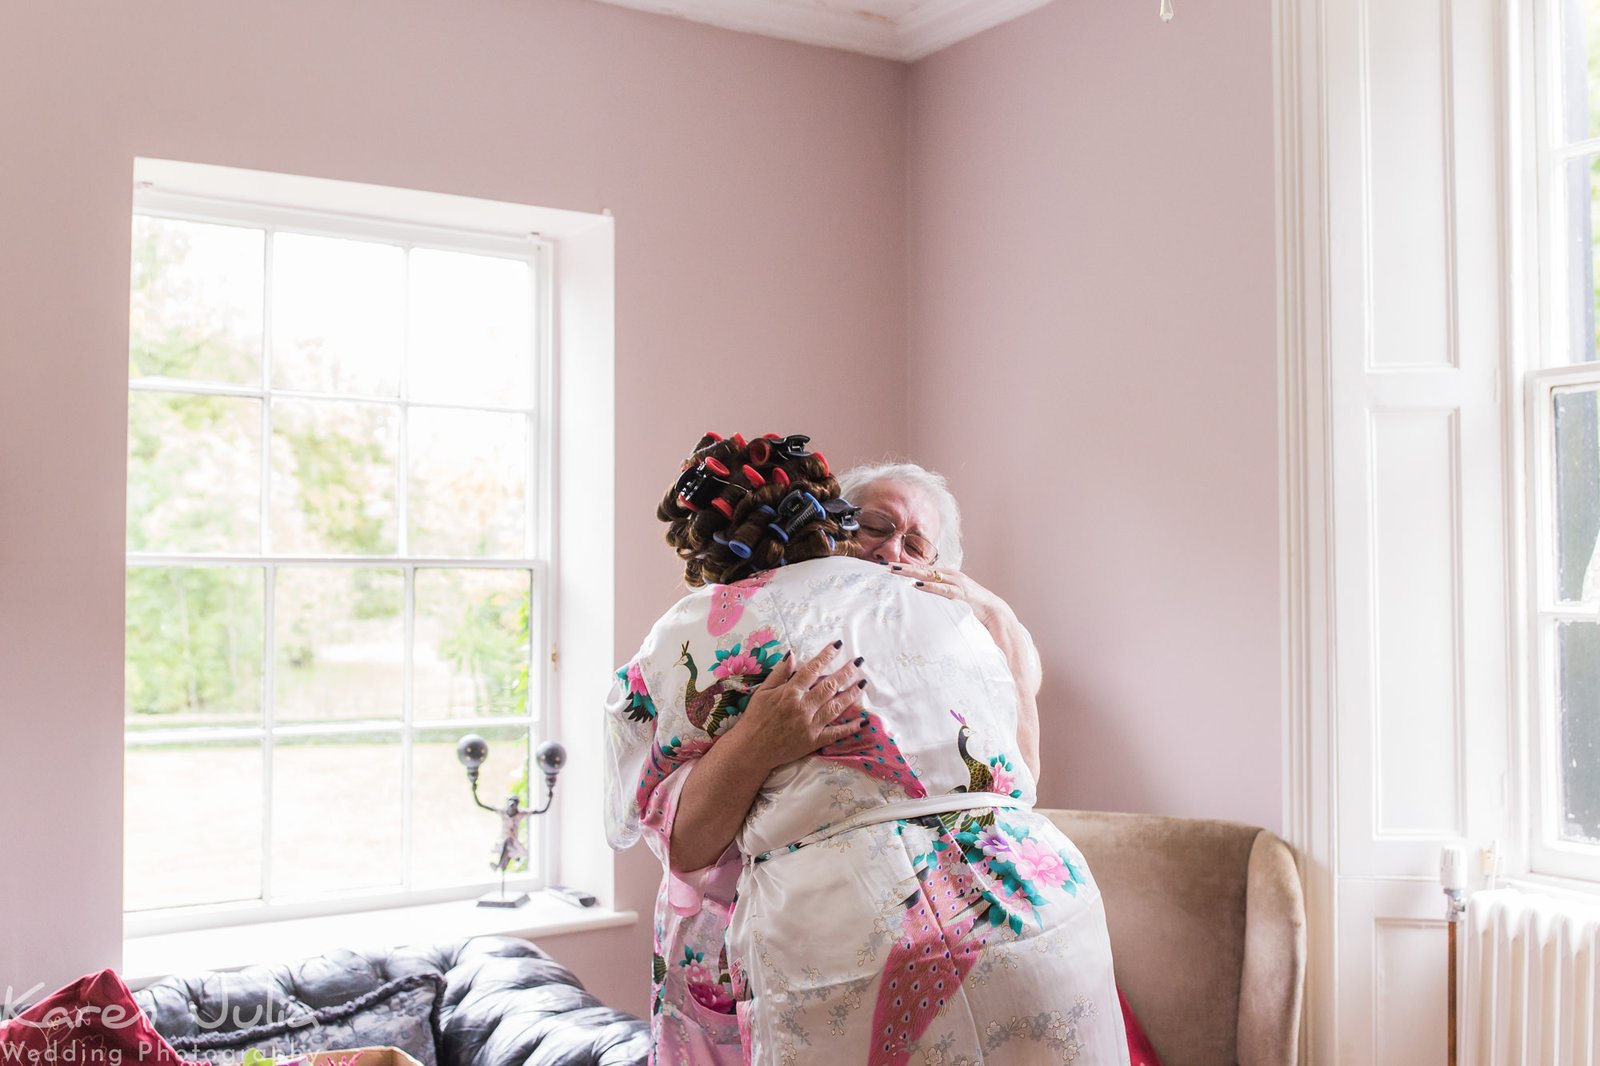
{"points": [[915, 31]]}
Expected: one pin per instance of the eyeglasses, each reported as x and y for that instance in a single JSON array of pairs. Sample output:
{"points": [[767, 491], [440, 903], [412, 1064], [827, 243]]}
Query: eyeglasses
{"points": [[880, 527]]}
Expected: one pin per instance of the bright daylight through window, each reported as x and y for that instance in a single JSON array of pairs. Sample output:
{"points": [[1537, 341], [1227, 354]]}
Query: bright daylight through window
{"points": [[337, 553], [1564, 446]]}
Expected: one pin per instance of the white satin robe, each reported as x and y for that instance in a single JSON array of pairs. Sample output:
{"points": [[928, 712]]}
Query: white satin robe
{"points": [[897, 900]]}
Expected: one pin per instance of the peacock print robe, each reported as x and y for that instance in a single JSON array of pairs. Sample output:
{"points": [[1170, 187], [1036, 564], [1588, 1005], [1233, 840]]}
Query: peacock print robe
{"points": [[892, 898]]}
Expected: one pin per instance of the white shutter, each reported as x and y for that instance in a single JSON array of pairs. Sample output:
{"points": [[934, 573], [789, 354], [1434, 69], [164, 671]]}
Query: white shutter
{"points": [[1404, 158]]}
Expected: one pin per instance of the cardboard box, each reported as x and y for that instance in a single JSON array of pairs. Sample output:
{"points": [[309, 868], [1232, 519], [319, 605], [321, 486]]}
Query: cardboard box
{"points": [[360, 1056]]}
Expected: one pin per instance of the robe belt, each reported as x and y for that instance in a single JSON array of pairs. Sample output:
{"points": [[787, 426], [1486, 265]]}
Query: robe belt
{"points": [[949, 803]]}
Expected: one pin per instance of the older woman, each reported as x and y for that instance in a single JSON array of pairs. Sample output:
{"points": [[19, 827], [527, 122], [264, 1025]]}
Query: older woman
{"points": [[910, 521], [896, 893]]}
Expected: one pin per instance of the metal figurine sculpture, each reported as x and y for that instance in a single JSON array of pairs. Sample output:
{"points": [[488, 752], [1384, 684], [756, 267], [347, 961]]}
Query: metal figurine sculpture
{"points": [[550, 757]]}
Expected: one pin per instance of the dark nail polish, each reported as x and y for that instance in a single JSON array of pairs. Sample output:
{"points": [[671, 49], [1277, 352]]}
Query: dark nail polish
{"points": [[860, 659], [896, 567], [862, 683], [838, 643], [919, 584], [786, 656]]}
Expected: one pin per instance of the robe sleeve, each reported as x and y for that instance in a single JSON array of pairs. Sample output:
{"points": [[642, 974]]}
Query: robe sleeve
{"points": [[630, 730], [688, 684]]}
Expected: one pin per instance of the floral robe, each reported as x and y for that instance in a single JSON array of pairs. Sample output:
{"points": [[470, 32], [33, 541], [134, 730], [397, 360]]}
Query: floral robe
{"points": [[897, 899]]}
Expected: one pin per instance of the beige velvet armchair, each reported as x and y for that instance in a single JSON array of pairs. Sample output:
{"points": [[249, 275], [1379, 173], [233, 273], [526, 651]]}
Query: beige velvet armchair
{"points": [[1207, 931]]}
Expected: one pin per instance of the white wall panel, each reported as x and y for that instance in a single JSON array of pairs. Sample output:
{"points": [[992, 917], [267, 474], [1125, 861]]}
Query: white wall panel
{"points": [[1410, 955], [1408, 145], [1392, 950], [1415, 598], [1395, 275]]}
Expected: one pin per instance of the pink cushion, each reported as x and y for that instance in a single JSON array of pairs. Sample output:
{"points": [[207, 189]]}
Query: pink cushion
{"points": [[91, 1022], [1140, 1051]]}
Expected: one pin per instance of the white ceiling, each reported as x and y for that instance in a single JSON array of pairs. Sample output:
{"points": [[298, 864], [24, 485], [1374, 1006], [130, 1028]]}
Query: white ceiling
{"points": [[895, 29]]}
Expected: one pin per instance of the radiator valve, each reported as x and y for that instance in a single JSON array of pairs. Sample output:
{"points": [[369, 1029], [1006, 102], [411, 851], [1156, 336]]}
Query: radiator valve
{"points": [[1453, 877]]}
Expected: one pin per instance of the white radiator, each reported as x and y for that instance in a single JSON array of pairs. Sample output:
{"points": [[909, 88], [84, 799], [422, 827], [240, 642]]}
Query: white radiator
{"points": [[1530, 990]]}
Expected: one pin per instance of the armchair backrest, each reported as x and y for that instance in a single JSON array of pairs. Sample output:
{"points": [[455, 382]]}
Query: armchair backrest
{"points": [[1207, 931]]}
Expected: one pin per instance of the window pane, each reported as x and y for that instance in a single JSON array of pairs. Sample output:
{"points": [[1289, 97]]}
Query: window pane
{"points": [[1583, 208], [1580, 63], [194, 473], [336, 822], [472, 634], [195, 304], [338, 314], [193, 824], [1577, 487], [469, 483], [452, 840], [471, 329], [340, 644], [334, 478], [1578, 731], [194, 646]]}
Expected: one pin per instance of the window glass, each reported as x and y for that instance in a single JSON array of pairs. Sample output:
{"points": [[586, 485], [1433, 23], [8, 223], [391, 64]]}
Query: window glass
{"points": [[340, 644], [315, 421], [338, 315], [194, 473], [196, 301], [1578, 731]]}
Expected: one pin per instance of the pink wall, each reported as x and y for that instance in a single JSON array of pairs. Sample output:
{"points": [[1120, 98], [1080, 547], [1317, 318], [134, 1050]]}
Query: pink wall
{"points": [[1090, 287], [1093, 364], [758, 189]]}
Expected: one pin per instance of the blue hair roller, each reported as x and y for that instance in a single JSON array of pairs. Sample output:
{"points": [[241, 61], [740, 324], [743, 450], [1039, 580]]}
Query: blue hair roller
{"points": [[778, 530], [720, 537], [739, 548]]}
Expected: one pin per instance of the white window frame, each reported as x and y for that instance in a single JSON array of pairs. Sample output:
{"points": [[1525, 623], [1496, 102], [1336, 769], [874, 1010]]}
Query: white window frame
{"points": [[1548, 853], [538, 554], [1548, 366]]}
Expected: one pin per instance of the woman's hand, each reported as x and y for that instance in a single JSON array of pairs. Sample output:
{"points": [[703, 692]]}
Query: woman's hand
{"points": [[995, 614], [791, 714], [990, 609], [797, 710]]}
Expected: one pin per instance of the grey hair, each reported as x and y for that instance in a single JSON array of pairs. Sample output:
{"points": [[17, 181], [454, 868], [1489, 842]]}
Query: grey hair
{"points": [[853, 481]]}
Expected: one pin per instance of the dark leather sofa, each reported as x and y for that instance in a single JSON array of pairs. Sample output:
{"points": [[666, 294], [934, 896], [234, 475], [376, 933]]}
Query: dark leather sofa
{"points": [[504, 1003]]}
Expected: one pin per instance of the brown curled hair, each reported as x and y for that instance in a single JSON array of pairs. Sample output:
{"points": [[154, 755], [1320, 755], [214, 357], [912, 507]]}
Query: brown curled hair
{"points": [[693, 531]]}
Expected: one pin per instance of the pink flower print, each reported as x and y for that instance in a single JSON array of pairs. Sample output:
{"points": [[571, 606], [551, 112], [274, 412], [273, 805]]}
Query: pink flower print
{"points": [[707, 990], [996, 844], [1038, 863], [764, 635], [699, 973], [735, 665], [1003, 782], [636, 680], [712, 996]]}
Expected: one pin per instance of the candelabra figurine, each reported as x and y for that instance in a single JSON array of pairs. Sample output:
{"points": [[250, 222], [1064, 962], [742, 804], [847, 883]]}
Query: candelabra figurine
{"points": [[549, 757]]}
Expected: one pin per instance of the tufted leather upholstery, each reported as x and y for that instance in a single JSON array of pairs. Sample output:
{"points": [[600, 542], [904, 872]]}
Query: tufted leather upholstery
{"points": [[506, 1003]]}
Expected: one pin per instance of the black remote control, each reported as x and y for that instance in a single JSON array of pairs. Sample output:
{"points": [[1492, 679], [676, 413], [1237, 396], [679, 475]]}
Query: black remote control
{"points": [[575, 896]]}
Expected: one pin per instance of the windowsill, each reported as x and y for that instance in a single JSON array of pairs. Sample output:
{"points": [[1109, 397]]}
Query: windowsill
{"points": [[149, 958], [1552, 885]]}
